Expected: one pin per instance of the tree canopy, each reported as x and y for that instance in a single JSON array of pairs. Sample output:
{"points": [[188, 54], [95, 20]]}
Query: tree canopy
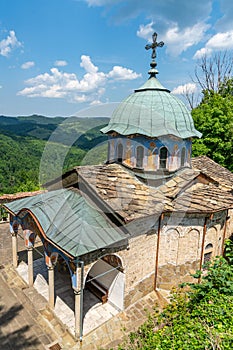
{"points": [[214, 119]]}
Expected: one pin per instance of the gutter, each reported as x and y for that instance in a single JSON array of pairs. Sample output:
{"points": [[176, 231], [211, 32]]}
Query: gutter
{"points": [[157, 251]]}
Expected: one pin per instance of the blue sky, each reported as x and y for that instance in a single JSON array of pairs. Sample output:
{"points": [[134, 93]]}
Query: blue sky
{"points": [[59, 57]]}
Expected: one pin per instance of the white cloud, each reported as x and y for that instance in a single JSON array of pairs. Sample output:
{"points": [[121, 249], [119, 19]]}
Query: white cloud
{"points": [[60, 63], [218, 42], [121, 73], [178, 40], [58, 84], [186, 88], [203, 52], [88, 65], [221, 41], [8, 44], [145, 31], [28, 65]]}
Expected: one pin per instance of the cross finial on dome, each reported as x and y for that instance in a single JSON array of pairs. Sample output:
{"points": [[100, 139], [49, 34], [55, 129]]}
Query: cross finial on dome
{"points": [[154, 45]]}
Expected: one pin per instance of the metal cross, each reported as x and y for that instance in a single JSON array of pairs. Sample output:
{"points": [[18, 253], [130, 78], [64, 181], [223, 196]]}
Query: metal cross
{"points": [[154, 45]]}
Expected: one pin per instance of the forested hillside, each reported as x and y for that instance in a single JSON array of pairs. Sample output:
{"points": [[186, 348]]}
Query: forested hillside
{"points": [[36, 149]]}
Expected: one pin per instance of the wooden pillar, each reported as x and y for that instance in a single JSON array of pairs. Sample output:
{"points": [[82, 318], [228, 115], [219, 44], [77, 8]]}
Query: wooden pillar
{"points": [[14, 248], [30, 266], [51, 286]]}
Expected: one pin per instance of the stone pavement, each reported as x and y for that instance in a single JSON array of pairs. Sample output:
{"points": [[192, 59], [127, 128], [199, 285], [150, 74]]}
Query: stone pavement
{"points": [[28, 323], [20, 326]]}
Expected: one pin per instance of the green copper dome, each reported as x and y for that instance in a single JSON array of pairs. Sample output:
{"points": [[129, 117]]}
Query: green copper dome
{"points": [[152, 111]]}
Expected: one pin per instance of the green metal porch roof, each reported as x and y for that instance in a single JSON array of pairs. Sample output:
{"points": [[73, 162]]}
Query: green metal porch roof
{"points": [[69, 221]]}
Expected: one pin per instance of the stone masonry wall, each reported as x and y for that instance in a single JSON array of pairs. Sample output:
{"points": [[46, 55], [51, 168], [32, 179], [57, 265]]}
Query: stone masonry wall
{"points": [[181, 245], [180, 249], [139, 259], [229, 230]]}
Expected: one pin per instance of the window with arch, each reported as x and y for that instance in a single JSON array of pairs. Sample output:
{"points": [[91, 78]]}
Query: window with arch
{"points": [[120, 152], [163, 154], [208, 253], [139, 157], [183, 153]]}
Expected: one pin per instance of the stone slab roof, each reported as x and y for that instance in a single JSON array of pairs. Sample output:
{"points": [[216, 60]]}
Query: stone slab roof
{"points": [[123, 194], [5, 198], [214, 171], [77, 216], [201, 198]]}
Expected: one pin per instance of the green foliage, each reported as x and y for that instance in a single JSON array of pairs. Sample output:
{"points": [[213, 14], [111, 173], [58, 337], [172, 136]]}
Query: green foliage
{"points": [[27, 160], [214, 119], [23, 159], [226, 87], [199, 316]]}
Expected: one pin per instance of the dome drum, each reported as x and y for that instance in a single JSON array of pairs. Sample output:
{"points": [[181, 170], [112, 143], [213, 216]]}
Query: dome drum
{"points": [[166, 154]]}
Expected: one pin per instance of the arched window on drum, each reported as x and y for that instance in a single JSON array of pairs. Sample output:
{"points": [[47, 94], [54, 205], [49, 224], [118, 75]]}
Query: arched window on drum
{"points": [[183, 154], [119, 152], [163, 154], [139, 157]]}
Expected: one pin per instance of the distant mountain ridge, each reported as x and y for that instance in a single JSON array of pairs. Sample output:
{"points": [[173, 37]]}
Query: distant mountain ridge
{"points": [[68, 141], [41, 127]]}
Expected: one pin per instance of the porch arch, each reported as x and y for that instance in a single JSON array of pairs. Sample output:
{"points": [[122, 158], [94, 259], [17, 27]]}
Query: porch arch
{"points": [[106, 280]]}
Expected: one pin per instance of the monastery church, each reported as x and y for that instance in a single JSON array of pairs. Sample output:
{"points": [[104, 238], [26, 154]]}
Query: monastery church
{"points": [[144, 220]]}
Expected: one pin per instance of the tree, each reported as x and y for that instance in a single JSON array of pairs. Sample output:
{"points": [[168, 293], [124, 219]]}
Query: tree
{"points": [[210, 75], [214, 119], [211, 72]]}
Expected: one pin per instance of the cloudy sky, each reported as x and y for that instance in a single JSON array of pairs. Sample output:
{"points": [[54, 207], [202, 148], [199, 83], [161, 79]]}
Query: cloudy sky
{"points": [[60, 57]]}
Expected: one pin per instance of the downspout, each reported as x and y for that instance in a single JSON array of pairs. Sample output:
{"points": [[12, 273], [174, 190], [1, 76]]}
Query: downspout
{"points": [[224, 232], [157, 250], [202, 245]]}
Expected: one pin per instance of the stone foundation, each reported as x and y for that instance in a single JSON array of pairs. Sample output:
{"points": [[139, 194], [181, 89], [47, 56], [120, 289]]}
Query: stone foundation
{"points": [[170, 276], [140, 290]]}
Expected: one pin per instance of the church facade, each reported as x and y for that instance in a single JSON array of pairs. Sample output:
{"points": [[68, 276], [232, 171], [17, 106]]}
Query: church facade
{"points": [[145, 219]]}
